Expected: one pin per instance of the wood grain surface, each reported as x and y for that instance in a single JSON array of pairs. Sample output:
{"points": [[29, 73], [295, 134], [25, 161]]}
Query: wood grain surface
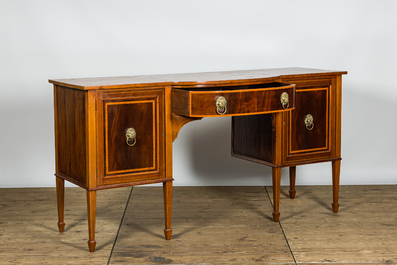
{"points": [[241, 100], [118, 163], [363, 231], [70, 133], [215, 225], [211, 225], [29, 232], [92, 116], [190, 79]]}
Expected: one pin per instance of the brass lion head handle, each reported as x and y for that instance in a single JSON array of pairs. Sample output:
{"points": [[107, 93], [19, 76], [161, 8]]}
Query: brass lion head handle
{"points": [[309, 122], [130, 137], [284, 100], [221, 105]]}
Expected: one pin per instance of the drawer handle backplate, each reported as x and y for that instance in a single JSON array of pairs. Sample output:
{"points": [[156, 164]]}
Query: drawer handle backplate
{"points": [[221, 105], [284, 99], [130, 136], [309, 122]]}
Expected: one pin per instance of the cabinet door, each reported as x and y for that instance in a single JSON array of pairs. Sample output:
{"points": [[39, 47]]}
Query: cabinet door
{"points": [[309, 120], [131, 137], [309, 127]]}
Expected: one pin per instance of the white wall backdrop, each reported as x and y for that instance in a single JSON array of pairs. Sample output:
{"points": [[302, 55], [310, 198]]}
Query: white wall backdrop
{"points": [[65, 39]]}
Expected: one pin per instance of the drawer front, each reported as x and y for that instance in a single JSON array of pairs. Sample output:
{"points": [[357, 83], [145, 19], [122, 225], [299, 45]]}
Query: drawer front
{"points": [[236, 101], [130, 136]]}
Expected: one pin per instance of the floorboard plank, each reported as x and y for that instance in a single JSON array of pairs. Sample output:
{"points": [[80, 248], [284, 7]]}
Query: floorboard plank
{"points": [[211, 225], [363, 231], [29, 232]]}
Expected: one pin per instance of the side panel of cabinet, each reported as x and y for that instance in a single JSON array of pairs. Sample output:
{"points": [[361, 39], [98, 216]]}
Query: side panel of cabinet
{"points": [[311, 141], [121, 161], [70, 134]]}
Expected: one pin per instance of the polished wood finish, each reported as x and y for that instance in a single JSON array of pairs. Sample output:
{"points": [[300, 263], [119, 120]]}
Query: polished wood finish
{"points": [[93, 114], [70, 124], [315, 96], [167, 193], [119, 163], [60, 186], [91, 210], [292, 179], [167, 186], [336, 164], [91, 139], [241, 100], [178, 122], [276, 178], [121, 158], [316, 139], [335, 185], [225, 78], [277, 160], [91, 149], [252, 138]]}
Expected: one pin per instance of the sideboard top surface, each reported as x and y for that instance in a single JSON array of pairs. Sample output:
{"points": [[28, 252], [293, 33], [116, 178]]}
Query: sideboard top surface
{"points": [[189, 79]]}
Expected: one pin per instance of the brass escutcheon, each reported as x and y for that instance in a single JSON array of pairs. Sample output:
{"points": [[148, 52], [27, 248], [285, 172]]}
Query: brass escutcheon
{"points": [[221, 105], [130, 136], [309, 122], [284, 100]]}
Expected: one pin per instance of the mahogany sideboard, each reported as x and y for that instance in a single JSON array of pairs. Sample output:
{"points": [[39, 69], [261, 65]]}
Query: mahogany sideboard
{"points": [[118, 131]]}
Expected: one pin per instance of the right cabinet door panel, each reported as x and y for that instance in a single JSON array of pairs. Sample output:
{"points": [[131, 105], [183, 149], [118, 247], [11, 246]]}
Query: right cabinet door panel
{"points": [[309, 128], [309, 121]]}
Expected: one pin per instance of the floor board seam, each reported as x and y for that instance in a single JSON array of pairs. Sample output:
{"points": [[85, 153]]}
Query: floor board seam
{"points": [[282, 230], [121, 223]]}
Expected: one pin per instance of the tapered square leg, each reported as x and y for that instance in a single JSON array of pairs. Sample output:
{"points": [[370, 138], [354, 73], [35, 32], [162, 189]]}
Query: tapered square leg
{"points": [[276, 174], [292, 177], [91, 210], [335, 185], [167, 192], [60, 184]]}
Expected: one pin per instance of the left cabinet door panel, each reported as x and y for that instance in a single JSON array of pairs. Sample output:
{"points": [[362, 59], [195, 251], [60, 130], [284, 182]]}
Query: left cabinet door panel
{"points": [[130, 134]]}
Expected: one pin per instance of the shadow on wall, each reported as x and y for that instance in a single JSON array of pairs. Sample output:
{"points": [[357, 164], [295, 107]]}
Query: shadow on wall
{"points": [[207, 145]]}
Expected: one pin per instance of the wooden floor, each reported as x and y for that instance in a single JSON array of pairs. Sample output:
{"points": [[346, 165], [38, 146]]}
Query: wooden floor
{"points": [[211, 225]]}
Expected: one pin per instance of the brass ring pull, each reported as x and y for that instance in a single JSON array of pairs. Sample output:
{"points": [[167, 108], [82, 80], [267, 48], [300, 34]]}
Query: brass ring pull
{"points": [[309, 122], [284, 100], [130, 137], [221, 105]]}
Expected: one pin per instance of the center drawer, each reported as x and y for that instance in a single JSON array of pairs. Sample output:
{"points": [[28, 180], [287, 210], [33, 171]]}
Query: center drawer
{"points": [[233, 100]]}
